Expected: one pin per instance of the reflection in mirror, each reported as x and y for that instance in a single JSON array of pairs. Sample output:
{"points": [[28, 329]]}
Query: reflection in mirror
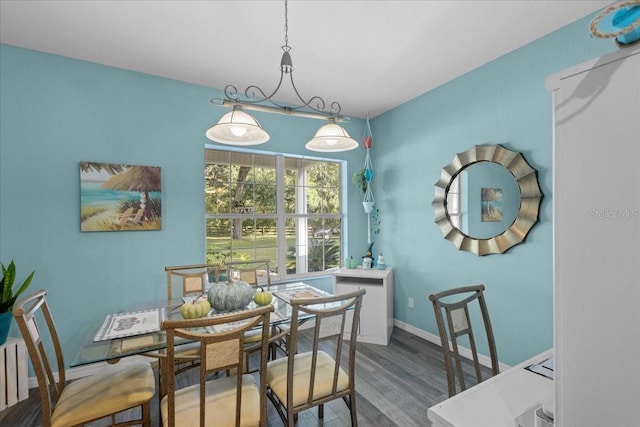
{"points": [[483, 200], [487, 199]]}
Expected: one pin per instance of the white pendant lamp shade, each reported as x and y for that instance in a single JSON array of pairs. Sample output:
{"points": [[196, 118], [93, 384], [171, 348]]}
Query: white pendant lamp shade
{"points": [[331, 138], [237, 128]]}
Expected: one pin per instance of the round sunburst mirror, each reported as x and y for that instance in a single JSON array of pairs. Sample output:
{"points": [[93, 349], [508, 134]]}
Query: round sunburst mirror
{"points": [[487, 199]]}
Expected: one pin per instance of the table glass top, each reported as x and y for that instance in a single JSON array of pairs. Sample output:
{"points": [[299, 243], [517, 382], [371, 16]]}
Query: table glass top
{"points": [[113, 349]]}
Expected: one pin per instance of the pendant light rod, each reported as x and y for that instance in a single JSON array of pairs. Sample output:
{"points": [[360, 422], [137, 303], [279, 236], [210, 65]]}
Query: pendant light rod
{"points": [[278, 110]]}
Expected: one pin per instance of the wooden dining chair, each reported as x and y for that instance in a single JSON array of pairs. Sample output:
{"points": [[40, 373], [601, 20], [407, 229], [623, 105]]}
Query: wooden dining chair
{"points": [[257, 273], [194, 278], [254, 272], [453, 317], [302, 381], [115, 389], [234, 400]]}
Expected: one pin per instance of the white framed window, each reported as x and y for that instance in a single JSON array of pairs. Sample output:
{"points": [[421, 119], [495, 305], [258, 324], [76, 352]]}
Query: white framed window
{"points": [[283, 208]]}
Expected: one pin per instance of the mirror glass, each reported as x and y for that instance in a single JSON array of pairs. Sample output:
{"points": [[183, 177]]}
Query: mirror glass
{"points": [[483, 200]]}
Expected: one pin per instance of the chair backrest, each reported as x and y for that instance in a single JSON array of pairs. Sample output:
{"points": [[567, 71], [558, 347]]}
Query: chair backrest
{"points": [[333, 317], [255, 273], [221, 348], [28, 312], [451, 309], [194, 277]]}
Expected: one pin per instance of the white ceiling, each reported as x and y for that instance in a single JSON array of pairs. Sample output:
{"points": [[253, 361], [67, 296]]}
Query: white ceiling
{"points": [[368, 55]]}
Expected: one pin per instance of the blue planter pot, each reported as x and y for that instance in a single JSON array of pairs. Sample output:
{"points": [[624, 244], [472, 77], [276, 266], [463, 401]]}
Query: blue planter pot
{"points": [[5, 324]]}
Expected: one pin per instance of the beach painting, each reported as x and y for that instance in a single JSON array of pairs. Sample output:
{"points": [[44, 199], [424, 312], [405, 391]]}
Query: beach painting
{"points": [[119, 197], [492, 204]]}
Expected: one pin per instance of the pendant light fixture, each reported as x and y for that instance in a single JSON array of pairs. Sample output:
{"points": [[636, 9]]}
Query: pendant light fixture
{"points": [[239, 128], [331, 137]]}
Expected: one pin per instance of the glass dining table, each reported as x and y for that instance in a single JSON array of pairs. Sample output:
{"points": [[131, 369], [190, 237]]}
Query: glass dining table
{"points": [[98, 346]]}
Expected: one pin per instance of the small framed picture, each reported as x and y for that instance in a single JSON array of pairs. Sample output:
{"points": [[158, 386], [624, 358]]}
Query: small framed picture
{"points": [[491, 204]]}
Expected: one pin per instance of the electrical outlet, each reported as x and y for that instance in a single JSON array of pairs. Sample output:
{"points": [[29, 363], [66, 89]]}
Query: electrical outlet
{"points": [[410, 302]]}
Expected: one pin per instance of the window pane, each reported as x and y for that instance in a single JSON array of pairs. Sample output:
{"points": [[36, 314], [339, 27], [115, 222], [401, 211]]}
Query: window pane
{"points": [[293, 183], [290, 199], [323, 192], [217, 194], [242, 173], [243, 242], [291, 177], [313, 182], [323, 250], [330, 200], [242, 198], [314, 201], [218, 240], [265, 169], [266, 241], [331, 188], [323, 254], [265, 199], [291, 230], [318, 252]]}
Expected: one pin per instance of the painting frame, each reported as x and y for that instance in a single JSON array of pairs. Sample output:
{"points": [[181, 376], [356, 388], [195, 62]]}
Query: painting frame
{"points": [[120, 197]]}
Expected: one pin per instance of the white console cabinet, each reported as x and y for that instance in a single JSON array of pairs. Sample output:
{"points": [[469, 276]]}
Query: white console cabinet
{"points": [[376, 317]]}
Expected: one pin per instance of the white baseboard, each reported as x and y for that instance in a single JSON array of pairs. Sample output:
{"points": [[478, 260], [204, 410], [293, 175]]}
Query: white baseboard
{"points": [[484, 360]]}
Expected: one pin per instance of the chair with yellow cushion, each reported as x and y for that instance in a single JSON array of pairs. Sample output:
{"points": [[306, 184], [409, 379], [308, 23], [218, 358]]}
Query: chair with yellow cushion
{"points": [[327, 372], [234, 400], [115, 389]]}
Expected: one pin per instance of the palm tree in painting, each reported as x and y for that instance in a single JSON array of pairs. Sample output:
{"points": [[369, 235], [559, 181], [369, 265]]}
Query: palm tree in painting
{"points": [[110, 168], [143, 179]]}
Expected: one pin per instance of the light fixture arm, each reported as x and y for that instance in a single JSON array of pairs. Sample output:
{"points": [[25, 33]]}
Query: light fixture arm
{"points": [[255, 96], [279, 110], [239, 128]]}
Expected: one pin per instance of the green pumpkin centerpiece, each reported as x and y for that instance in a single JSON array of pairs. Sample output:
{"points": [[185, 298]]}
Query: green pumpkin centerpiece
{"points": [[231, 295]]}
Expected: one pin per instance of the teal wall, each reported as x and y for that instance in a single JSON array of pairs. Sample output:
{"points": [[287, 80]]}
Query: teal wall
{"points": [[504, 102], [56, 112]]}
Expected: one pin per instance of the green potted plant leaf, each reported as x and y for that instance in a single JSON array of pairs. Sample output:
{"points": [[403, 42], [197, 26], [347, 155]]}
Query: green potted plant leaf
{"points": [[358, 179], [8, 297]]}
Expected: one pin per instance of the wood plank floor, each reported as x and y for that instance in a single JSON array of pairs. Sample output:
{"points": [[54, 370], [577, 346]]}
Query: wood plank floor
{"points": [[396, 385]]}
